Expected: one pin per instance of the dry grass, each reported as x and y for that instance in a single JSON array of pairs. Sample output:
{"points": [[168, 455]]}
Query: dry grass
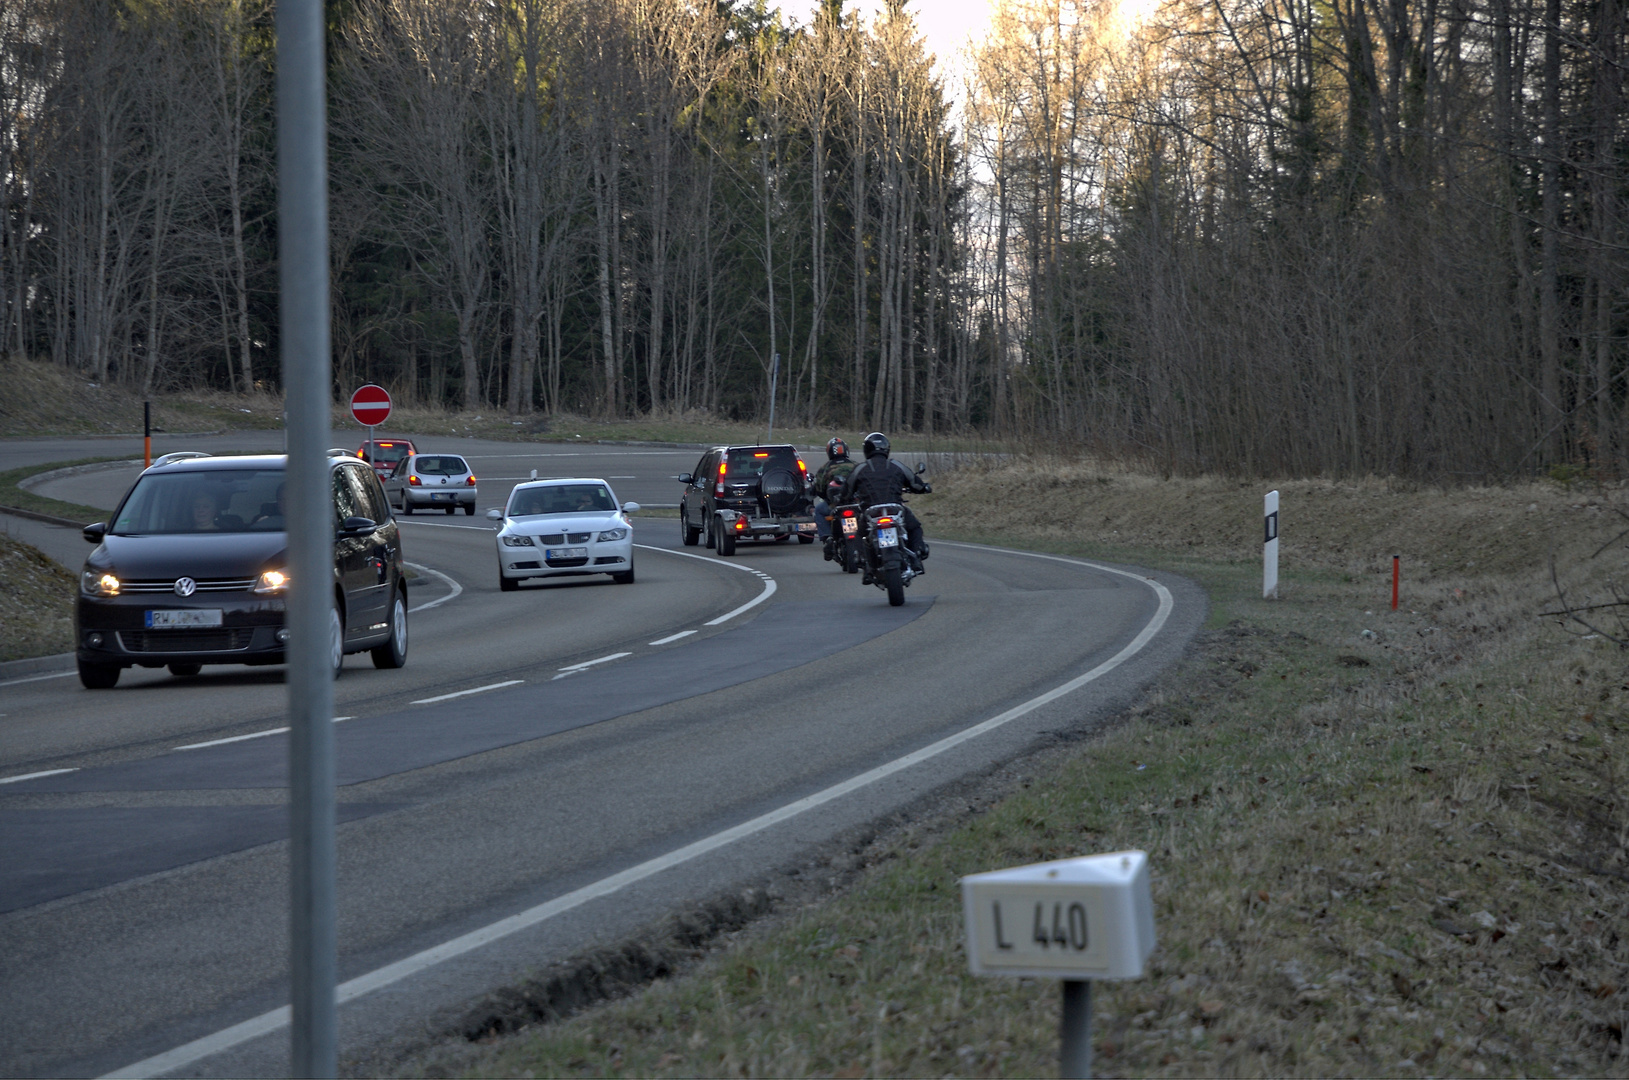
{"points": [[1393, 853], [36, 603]]}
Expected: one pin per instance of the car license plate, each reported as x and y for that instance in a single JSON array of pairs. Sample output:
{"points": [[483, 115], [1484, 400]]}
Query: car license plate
{"points": [[170, 620], [443, 496], [887, 537], [564, 553]]}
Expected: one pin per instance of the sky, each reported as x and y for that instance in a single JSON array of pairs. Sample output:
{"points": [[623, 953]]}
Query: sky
{"points": [[945, 24]]}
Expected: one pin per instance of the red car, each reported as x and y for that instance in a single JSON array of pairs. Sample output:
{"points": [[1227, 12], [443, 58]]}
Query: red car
{"points": [[387, 453]]}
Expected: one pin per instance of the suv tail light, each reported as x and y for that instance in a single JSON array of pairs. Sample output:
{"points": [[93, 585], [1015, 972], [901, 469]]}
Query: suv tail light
{"points": [[719, 490]]}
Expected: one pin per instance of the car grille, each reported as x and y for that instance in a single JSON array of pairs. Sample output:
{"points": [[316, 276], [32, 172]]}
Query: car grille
{"points": [[179, 641], [204, 585], [566, 562], [565, 538]]}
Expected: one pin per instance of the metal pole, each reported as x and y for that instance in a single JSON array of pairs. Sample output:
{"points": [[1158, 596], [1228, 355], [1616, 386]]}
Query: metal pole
{"points": [[147, 434], [302, 234], [1075, 1044]]}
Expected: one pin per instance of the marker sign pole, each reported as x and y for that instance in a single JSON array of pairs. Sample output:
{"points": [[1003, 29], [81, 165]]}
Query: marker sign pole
{"points": [[1269, 549], [1074, 920], [370, 405], [774, 377]]}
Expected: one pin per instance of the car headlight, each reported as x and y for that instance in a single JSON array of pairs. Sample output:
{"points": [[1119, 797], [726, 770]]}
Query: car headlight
{"points": [[613, 534], [517, 541], [98, 583], [272, 581]]}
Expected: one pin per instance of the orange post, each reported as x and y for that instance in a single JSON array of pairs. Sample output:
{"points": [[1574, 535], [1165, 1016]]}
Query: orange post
{"points": [[147, 434], [1396, 576]]}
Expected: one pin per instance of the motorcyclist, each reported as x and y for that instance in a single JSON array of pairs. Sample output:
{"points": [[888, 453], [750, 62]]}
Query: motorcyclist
{"points": [[879, 479], [836, 469]]}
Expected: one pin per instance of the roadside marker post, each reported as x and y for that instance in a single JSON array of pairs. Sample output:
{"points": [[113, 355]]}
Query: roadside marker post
{"points": [[1074, 920], [147, 434], [1269, 548]]}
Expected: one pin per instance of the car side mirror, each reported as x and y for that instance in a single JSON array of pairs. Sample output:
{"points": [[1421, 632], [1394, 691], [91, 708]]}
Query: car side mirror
{"points": [[686, 478], [494, 515], [629, 507], [93, 533], [921, 467], [356, 526]]}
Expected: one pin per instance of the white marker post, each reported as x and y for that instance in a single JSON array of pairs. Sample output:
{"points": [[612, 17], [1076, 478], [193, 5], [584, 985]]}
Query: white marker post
{"points": [[1074, 920], [1269, 549]]}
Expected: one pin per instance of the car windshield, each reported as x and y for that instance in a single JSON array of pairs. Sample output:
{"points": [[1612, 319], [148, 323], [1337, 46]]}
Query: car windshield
{"points": [[748, 463], [561, 499], [226, 500], [444, 465]]}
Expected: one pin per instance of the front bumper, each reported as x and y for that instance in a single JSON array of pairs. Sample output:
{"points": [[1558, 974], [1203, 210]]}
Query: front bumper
{"points": [[114, 630], [610, 557]]}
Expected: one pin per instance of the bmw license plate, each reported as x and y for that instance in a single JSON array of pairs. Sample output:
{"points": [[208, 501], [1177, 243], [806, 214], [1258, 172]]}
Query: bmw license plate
{"points": [[564, 553], [170, 620], [887, 537]]}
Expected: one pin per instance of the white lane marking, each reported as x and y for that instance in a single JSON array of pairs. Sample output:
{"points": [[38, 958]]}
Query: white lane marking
{"points": [[456, 588], [238, 1034], [444, 525], [235, 738], [34, 775], [601, 660], [244, 738], [673, 637], [466, 693], [36, 678], [769, 582]]}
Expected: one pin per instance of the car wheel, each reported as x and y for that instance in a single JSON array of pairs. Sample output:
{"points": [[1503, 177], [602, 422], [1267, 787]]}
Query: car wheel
{"points": [[469, 511], [626, 577], [393, 653], [98, 676], [688, 535], [726, 540], [336, 640], [407, 507], [185, 671], [507, 584]]}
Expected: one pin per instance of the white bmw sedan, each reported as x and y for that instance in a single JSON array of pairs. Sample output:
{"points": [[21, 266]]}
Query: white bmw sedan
{"points": [[559, 527]]}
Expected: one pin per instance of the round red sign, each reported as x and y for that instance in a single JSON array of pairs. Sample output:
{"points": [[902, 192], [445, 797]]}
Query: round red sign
{"points": [[370, 405]]}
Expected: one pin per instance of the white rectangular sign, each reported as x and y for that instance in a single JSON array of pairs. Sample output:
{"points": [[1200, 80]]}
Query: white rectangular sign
{"points": [[1085, 918]]}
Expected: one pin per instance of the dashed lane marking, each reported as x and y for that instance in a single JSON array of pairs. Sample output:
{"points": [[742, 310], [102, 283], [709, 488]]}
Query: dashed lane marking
{"points": [[466, 693]]}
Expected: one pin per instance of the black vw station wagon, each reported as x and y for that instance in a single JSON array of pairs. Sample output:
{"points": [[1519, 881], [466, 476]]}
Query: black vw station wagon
{"points": [[192, 569]]}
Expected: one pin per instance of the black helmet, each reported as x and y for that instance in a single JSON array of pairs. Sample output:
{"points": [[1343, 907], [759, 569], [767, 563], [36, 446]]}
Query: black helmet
{"points": [[836, 449], [876, 443]]}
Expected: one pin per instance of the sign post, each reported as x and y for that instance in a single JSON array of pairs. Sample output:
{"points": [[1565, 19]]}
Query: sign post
{"points": [[1269, 549], [1073, 920], [774, 376], [370, 405]]}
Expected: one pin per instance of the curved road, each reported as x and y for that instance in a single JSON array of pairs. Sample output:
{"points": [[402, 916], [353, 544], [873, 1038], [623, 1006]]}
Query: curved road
{"points": [[552, 770]]}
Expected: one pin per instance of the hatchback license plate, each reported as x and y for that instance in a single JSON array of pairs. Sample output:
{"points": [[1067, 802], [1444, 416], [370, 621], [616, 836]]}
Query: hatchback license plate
{"points": [[564, 553], [187, 617], [444, 496], [887, 537]]}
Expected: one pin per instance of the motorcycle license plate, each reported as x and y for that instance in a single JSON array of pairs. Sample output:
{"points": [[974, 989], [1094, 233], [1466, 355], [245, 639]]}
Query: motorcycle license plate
{"points": [[887, 537], [564, 553], [850, 526]]}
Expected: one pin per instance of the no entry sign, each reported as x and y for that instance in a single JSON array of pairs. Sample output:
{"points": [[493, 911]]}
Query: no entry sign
{"points": [[371, 405]]}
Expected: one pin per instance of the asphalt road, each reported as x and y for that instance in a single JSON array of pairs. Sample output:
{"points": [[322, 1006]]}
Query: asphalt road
{"points": [[612, 753]]}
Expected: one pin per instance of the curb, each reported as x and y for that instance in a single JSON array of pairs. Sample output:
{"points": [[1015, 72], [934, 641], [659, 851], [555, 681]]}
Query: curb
{"points": [[36, 665], [48, 519], [28, 483]]}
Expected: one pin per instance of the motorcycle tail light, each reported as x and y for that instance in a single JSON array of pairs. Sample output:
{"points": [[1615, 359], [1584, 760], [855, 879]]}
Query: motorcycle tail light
{"points": [[848, 513], [883, 523]]}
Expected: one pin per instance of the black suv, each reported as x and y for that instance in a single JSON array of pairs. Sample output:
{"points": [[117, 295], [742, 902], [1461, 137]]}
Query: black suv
{"points": [[192, 568], [746, 493]]}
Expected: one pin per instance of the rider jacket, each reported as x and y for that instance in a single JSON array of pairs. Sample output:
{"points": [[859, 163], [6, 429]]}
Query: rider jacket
{"points": [[836, 469], [878, 480]]}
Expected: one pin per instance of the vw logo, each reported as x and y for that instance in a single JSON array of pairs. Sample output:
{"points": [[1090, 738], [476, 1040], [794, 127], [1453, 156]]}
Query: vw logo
{"points": [[185, 586]]}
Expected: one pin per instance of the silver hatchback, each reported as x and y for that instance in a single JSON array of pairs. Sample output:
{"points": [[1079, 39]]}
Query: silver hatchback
{"points": [[432, 482]]}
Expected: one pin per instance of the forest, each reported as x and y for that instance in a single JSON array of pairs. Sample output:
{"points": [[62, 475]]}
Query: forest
{"points": [[1249, 237]]}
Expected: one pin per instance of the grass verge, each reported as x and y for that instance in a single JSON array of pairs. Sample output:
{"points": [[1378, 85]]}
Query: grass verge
{"points": [[1384, 843], [36, 603], [13, 496]]}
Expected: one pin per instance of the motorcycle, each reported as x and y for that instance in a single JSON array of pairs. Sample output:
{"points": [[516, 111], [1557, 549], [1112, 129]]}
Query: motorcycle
{"points": [[843, 538], [888, 562]]}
